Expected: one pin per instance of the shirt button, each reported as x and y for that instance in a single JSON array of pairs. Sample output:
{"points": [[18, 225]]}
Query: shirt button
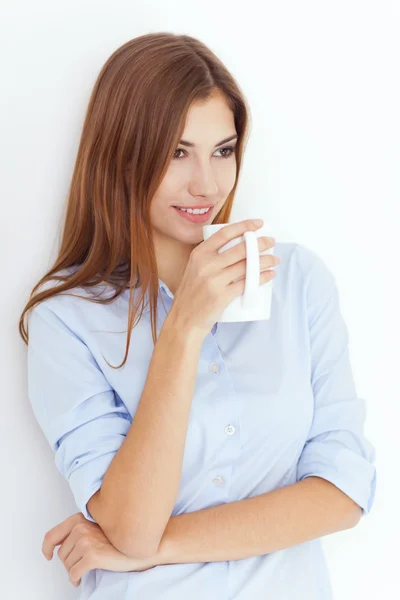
{"points": [[230, 429], [214, 367], [218, 480]]}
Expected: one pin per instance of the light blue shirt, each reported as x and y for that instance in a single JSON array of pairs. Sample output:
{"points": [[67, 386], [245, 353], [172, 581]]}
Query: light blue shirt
{"points": [[274, 402]]}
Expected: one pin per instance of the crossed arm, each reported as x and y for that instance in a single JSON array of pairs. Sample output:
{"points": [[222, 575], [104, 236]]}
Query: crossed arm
{"points": [[308, 509]]}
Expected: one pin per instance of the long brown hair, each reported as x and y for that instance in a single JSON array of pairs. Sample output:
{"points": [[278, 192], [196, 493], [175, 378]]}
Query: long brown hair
{"points": [[134, 121]]}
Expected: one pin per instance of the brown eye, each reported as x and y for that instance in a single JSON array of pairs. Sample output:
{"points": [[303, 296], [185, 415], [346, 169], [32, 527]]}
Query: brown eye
{"points": [[178, 150], [228, 149]]}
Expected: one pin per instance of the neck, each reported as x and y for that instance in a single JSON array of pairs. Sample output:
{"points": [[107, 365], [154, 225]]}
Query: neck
{"points": [[172, 258]]}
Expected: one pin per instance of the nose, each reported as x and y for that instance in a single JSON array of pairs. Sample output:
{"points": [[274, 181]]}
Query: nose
{"points": [[202, 181]]}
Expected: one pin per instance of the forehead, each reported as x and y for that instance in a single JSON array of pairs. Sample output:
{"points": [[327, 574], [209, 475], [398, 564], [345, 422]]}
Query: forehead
{"points": [[209, 121]]}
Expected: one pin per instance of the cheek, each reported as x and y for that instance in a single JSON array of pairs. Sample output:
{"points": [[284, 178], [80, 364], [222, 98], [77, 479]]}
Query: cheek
{"points": [[226, 178], [173, 179], [159, 212], [168, 191]]}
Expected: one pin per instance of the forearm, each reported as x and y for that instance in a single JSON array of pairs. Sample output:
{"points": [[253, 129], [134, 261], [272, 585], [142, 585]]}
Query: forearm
{"points": [[291, 515], [140, 486]]}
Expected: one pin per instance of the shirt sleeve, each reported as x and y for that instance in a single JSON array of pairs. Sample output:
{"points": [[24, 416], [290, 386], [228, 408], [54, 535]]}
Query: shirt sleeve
{"points": [[82, 417], [336, 449]]}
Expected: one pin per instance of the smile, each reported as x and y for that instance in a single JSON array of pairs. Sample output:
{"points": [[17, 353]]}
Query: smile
{"points": [[195, 215]]}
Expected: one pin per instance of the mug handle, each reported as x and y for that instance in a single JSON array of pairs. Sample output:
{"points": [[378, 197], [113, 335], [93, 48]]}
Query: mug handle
{"points": [[252, 270]]}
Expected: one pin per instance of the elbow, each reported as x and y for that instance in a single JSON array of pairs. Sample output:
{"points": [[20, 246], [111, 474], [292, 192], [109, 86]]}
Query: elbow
{"points": [[131, 548], [132, 542], [127, 540], [128, 543]]}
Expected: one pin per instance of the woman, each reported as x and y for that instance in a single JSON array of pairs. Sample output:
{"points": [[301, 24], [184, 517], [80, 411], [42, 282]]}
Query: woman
{"points": [[206, 459]]}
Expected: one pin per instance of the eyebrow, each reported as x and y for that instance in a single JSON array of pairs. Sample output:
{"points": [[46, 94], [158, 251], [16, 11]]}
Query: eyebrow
{"points": [[228, 139]]}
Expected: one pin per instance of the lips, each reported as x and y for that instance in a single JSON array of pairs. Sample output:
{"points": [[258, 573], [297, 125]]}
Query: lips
{"points": [[195, 218], [195, 206]]}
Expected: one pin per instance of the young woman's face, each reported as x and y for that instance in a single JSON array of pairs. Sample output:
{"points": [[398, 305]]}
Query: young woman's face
{"points": [[204, 173]]}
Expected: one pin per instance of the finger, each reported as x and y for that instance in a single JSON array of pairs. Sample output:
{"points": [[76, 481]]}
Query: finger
{"points": [[269, 260], [237, 271], [54, 537], [78, 570], [229, 232], [238, 252], [80, 536], [68, 544], [237, 287], [76, 554], [57, 534]]}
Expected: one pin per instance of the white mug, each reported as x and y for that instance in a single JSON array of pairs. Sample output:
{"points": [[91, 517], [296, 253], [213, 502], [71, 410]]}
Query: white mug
{"points": [[255, 303]]}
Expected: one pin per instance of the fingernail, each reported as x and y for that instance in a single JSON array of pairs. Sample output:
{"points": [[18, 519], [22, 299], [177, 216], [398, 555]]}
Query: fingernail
{"points": [[258, 222]]}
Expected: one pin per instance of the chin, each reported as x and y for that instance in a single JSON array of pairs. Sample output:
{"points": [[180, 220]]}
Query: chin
{"points": [[195, 237]]}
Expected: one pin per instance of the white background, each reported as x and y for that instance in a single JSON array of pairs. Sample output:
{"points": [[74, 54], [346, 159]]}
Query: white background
{"points": [[321, 167]]}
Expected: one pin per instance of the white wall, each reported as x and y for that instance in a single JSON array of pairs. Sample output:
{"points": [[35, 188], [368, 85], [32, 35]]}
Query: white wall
{"points": [[322, 167]]}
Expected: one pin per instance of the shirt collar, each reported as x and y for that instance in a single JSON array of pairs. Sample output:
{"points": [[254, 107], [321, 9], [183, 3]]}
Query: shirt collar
{"points": [[163, 286]]}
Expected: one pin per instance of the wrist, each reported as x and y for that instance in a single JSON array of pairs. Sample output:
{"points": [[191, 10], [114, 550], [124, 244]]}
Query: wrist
{"points": [[178, 329]]}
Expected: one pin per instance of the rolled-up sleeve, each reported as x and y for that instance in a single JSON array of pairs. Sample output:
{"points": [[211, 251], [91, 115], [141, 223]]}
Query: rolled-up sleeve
{"points": [[336, 448], [81, 416]]}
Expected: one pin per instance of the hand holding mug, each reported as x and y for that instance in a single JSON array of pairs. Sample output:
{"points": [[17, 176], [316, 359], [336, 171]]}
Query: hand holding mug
{"points": [[212, 280]]}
